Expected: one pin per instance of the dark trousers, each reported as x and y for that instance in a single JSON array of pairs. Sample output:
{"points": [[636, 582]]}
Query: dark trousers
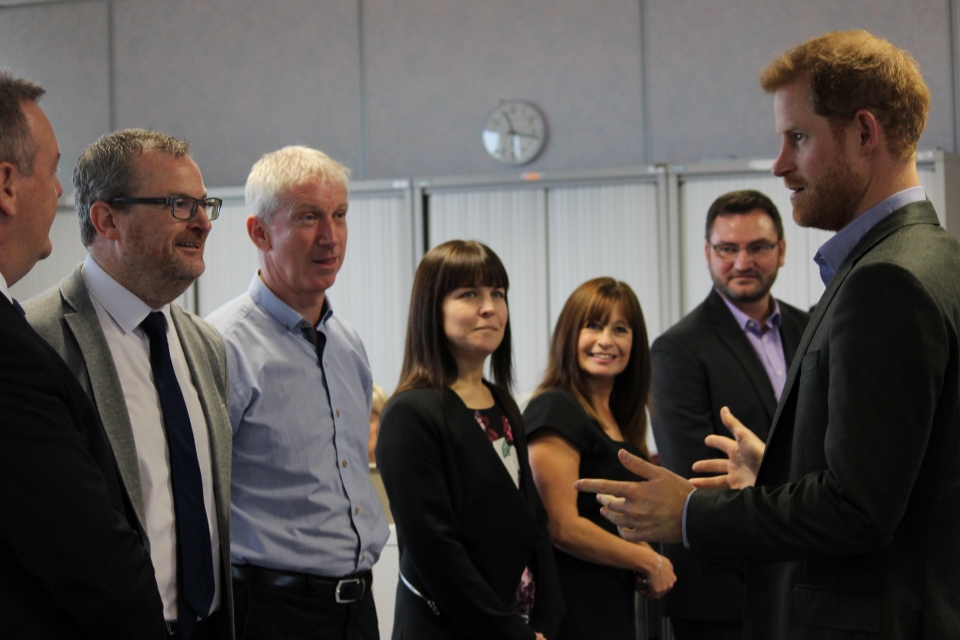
{"points": [[213, 628], [687, 629], [269, 613]]}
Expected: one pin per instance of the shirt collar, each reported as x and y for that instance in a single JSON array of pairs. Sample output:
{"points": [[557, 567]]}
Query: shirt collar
{"points": [[745, 322], [4, 290], [126, 309], [280, 310], [834, 251]]}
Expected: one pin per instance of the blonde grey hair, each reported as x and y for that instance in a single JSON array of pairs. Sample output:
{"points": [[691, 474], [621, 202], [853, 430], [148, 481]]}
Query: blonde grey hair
{"points": [[276, 174]]}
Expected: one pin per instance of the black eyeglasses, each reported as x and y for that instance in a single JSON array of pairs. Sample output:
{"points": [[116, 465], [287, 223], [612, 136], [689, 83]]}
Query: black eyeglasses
{"points": [[730, 251], [181, 207]]}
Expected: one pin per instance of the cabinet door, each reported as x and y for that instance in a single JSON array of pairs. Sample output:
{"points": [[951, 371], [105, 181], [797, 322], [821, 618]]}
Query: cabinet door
{"points": [[372, 290], [798, 281], [607, 230], [512, 222]]}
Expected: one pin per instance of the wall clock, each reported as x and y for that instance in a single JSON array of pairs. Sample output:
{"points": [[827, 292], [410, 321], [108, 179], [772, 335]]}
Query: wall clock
{"points": [[515, 132]]}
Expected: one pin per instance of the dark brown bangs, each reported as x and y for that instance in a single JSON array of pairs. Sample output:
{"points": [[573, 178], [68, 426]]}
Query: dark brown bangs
{"points": [[611, 297], [470, 264]]}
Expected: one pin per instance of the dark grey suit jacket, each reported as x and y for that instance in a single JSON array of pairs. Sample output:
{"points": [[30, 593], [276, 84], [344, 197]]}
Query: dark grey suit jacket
{"points": [[67, 320], [702, 363], [853, 524]]}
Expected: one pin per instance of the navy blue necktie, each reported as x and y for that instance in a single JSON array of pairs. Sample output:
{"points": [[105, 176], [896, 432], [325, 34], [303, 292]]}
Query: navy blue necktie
{"points": [[16, 305], [194, 555]]}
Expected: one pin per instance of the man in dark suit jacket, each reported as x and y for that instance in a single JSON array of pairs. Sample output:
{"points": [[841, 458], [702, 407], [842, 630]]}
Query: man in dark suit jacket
{"points": [[850, 528], [72, 564], [145, 216], [733, 350]]}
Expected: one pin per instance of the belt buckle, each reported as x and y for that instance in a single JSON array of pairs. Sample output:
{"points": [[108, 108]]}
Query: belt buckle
{"points": [[348, 582]]}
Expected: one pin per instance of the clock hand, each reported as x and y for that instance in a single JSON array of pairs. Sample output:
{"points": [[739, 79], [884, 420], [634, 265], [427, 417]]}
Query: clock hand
{"points": [[510, 129]]}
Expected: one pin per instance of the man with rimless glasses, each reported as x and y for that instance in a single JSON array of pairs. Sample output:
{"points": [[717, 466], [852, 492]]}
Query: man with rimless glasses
{"points": [[734, 349], [156, 373]]}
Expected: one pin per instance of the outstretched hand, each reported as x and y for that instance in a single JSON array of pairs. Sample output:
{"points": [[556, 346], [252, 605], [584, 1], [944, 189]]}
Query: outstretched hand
{"points": [[744, 453], [651, 511]]}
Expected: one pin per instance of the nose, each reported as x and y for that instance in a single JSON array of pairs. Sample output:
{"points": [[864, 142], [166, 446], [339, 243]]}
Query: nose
{"points": [[486, 305], [59, 187], [325, 231], [605, 338], [201, 220], [784, 162], [743, 260]]}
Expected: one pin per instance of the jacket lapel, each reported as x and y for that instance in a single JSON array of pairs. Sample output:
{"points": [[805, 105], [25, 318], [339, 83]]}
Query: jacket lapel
{"points": [[732, 336], [81, 318], [915, 213]]}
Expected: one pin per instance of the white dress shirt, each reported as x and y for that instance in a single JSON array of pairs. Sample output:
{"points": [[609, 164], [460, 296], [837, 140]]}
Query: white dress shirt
{"points": [[120, 313]]}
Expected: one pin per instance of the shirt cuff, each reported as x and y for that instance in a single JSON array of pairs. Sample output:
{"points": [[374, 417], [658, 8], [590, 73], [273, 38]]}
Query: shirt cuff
{"points": [[686, 503]]}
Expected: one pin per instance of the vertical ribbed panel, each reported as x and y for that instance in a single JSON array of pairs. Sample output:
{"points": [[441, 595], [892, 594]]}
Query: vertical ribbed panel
{"points": [[931, 183], [606, 231], [68, 251], [512, 223], [373, 287], [230, 257], [798, 281]]}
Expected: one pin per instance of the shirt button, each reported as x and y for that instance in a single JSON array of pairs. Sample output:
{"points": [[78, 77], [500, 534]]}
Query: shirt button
{"points": [[363, 557], [344, 463], [356, 511], [338, 413]]}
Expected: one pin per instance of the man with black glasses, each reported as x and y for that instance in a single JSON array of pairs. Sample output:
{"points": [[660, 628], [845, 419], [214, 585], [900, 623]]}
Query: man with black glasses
{"points": [[156, 373], [734, 349]]}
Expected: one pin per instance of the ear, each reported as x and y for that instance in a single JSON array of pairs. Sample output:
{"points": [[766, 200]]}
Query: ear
{"points": [[104, 220], [706, 252], [259, 232], [783, 250], [868, 131], [8, 189]]}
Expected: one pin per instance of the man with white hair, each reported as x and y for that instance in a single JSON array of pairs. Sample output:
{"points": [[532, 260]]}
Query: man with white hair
{"points": [[307, 523]]}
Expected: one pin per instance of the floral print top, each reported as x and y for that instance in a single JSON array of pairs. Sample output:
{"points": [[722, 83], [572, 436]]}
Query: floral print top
{"points": [[497, 428]]}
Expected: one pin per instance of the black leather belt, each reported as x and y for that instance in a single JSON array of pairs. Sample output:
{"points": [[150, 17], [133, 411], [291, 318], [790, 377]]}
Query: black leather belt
{"points": [[342, 590]]}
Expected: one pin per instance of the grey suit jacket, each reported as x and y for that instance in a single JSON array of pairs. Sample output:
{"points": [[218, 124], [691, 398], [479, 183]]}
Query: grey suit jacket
{"points": [[702, 363], [851, 530], [67, 320]]}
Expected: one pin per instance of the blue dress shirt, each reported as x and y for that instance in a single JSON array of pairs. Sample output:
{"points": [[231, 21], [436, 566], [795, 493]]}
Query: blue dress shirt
{"points": [[834, 251], [301, 494]]}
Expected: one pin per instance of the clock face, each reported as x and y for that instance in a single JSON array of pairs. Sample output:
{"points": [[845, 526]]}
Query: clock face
{"points": [[515, 132]]}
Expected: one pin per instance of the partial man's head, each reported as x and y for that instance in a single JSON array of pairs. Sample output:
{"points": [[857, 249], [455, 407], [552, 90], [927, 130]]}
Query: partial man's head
{"points": [[850, 108], [144, 212], [29, 187], [298, 200], [745, 247]]}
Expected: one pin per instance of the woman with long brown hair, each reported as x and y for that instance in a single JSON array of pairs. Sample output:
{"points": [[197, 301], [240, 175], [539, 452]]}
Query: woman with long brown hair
{"points": [[591, 404], [475, 556]]}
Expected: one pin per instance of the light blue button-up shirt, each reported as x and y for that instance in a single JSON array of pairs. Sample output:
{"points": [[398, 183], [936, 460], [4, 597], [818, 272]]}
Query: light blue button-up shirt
{"points": [[301, 494], [834, 251]]}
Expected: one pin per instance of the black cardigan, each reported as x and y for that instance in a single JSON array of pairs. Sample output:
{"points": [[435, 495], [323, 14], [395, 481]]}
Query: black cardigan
{"points": [[465, 531]]}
